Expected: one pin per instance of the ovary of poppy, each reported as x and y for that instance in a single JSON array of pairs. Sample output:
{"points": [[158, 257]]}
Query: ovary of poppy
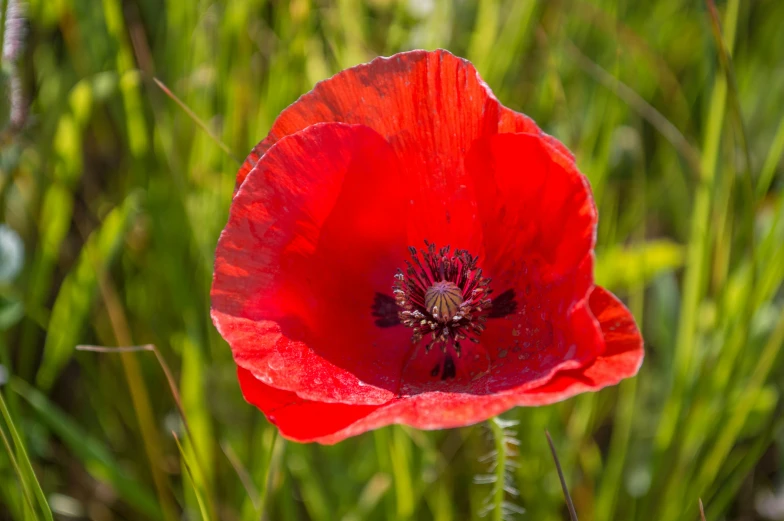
{"points": [[401, 248]]}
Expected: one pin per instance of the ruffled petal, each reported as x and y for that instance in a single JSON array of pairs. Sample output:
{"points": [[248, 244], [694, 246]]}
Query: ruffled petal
{"points": [[431, 107], [539, 221], [621, 359], [309, 243], [511, 122], [304, 420], [549, 330], [299, 419], [536, 209], [418, 97]]}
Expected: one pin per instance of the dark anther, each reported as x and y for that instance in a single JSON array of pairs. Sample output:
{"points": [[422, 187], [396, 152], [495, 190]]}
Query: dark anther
{"points": [[503, 305], [435, 370], [450, 371], [385, 310]]}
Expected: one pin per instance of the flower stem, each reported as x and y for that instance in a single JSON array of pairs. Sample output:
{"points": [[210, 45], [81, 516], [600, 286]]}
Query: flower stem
{"points": [[500, 469]]}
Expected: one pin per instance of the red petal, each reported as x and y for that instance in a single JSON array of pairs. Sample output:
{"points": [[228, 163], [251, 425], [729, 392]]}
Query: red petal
{"points": [[408, 95], [303, 420], [299, 419], [621, 359], [308, 244], [511, 122], [535, 206], [551, 330], [430, 106], [445, 371], [539, 223]]}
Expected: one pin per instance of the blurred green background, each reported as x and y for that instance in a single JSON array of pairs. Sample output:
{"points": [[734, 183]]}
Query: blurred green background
{"points": [[112, 198]]}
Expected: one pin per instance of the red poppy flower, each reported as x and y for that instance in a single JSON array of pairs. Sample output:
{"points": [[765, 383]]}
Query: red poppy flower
{"points": [[401, 248]]}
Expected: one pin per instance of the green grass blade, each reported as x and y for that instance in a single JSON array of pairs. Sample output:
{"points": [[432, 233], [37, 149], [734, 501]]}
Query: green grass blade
{"points": [[201, 124], [28, 474], [697, 255], [96, 458], [79, 289], [270, 469], [772, 161], [315, 496], [196, 489], [19, 474], [244, 476], [564, 488], [400, 452], [730, 431]]}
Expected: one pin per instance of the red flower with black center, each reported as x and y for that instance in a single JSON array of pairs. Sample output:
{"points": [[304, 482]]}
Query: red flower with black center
{"points": [[401, 248]]}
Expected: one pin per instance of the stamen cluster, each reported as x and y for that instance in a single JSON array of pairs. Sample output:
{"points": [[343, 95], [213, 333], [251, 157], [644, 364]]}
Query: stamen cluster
{"points": [[461, 304]]}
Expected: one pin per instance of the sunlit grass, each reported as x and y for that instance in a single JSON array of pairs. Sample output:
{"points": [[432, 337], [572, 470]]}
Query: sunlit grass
{"points": [[119, 196]]}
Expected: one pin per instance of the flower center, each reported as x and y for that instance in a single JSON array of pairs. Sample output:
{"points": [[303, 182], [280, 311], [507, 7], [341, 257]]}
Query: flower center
{"points": [[443, 300], [443, 297]]}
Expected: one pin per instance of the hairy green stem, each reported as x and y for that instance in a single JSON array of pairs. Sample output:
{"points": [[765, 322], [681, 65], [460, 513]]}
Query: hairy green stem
{"points": [[500, 469]]}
